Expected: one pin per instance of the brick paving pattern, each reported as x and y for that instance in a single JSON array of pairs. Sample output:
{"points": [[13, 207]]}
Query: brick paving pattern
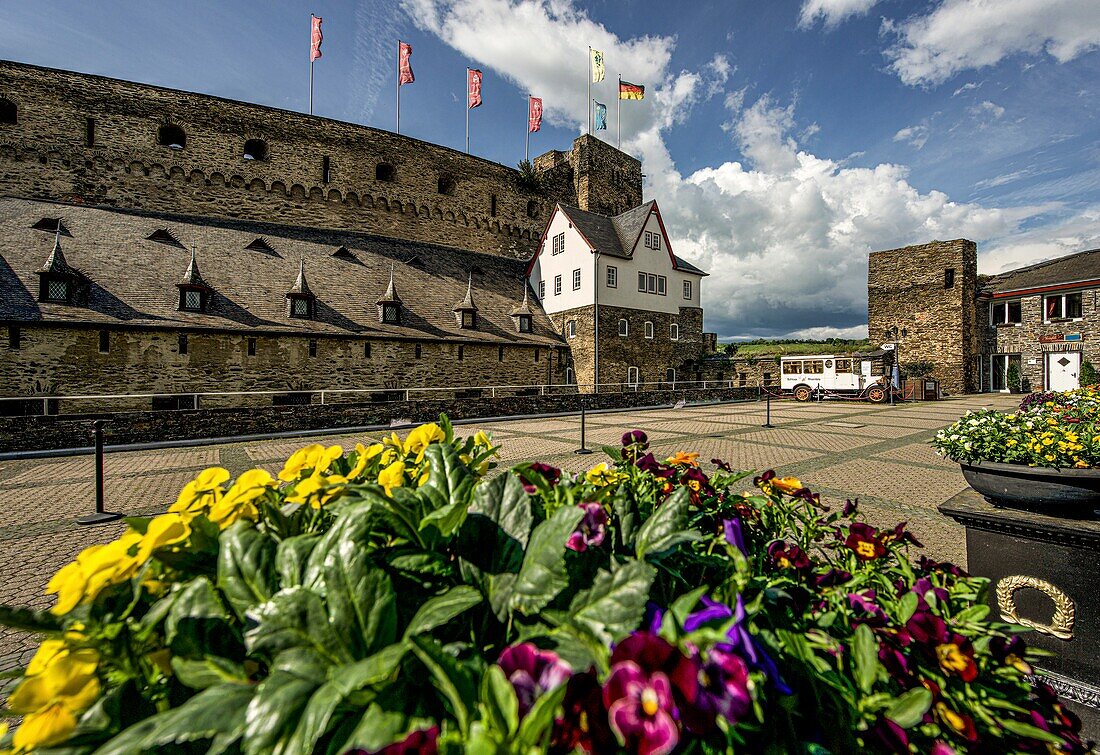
{"points": [[879, 454]]}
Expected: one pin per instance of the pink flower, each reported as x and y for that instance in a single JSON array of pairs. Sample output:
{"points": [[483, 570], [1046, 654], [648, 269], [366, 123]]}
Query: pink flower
{"points": [[641, 709], [591, 530], [532, 671]]}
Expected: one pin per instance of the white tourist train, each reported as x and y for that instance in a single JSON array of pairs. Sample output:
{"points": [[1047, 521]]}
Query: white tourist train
{"points": [[849, 375]]}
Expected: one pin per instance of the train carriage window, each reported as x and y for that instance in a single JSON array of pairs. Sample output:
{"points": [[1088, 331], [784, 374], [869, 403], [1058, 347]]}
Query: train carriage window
{"points": [[793, 367], [844, 365], [813, 366]]}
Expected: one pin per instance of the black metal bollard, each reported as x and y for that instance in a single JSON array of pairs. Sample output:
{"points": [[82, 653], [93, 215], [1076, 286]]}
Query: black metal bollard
{"points": [[582, 449], [768, 422], [101, 515]]}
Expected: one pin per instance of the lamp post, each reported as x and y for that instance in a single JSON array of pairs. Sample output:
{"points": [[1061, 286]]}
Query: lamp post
{"points": [[892, 335]]}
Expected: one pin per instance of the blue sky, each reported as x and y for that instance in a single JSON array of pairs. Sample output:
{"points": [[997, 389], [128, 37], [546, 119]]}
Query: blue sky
{"points": [[784, 139]]}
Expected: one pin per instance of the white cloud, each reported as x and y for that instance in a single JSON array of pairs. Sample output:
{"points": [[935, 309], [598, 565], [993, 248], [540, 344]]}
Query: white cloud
{"points": [[986, 108], [1074, 233], [785, 233], [915, 135], [831, 12], [966, 88], [970, 34]]}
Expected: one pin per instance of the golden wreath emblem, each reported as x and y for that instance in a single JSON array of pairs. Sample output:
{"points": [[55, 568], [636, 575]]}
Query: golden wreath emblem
{"points": [[1061, 623]]}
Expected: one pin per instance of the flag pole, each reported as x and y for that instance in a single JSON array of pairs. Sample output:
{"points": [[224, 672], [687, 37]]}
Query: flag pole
{"points": [[311, 79], [618, 115], [399, 86], [527, 132], [467, 110], [589, 88]]}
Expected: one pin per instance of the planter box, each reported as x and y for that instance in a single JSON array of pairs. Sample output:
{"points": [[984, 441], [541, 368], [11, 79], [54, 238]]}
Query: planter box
{"points": [[1073, 493], [1042, 572]]}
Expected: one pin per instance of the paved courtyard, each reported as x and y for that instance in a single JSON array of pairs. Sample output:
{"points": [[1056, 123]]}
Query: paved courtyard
{"points": [[842, 449]]}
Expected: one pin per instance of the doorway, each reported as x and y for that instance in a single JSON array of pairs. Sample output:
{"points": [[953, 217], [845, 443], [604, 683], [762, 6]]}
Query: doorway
{"points": [[1063, 370]]}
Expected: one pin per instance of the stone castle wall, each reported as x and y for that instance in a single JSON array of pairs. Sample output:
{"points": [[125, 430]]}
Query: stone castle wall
{"points": [[317, 172], [67, 361], [907, 289]]}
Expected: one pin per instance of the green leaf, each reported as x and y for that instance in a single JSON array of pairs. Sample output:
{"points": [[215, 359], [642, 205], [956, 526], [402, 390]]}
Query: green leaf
{"points": [[208, 671], [667, 527], [274, 711], [534, 730], [445, 520], [625, 505], [1020, 729], [361, 603], [376, 730], [315, 720], [907, 606], [246, 566], [29, 620], [449, 481], [910, 707], [499, 700], [197, 622], [542, 575], [450, 677], [370, 671], [295, 618], [504, 502], [864, 657], [291, 558], [613, 607], [442, 608], [217, 713], [975, 613]]}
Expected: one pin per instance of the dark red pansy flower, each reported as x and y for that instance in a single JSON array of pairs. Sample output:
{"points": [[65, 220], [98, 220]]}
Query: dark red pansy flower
{"points": [[583, 725], [959, 724], [632, 437], [901, 535], [652, 653], [420, 742], [832, 578], [865, 541], [724, 466], [532, 671], [849, 508], [956, 656], [886, 736], [548, 474], [783, 556]]}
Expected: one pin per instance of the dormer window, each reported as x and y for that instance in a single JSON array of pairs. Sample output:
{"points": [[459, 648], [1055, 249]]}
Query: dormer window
{"points": [[55, 290], [301, 307], [56, 280], [466, 311], [172, 137], [391, 314], [192, 299], [525, 323], [300, 299], [469, 320], [194, 293]]}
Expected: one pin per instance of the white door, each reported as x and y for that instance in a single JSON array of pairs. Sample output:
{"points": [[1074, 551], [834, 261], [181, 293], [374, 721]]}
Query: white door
{"points": [[1062, 370]]}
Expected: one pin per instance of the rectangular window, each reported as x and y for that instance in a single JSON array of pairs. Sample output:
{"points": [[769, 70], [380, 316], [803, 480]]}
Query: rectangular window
{"points": [[312, 348], [558, 243], [542, 290], [493, 205], [793, 367], [461, 352], [326, 169], [57, 291], [576, 279], [674, 332], [1073, 305], [557, 285], [500, 353], [299, 307], [641, 282], [89, 132], [1062, 306], [536, 355], [1005, 313], [612, 276], [949, 278], [192, 300], [104, 342], [657, 241], [649, 330], [844, 366], [571, 328], [525, 323], [687, 290], [15, 337], [366, 350], [251, 347], [662, 285], [648, 239], [183, 343], [651, 283], [624, 328], [814, 366], [419, 351]]}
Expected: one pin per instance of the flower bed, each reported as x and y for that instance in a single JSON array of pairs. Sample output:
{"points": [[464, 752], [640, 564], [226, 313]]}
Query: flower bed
{"points": [[393, 600], [1057, 430]]}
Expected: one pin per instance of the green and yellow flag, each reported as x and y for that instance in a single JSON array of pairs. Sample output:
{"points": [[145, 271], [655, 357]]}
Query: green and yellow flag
{"points": [[628, 91], [597, 65]]}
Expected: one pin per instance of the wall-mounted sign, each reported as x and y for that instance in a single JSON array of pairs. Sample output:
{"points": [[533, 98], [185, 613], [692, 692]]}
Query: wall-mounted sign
{"points": [[1060, 338], [888, 346]]}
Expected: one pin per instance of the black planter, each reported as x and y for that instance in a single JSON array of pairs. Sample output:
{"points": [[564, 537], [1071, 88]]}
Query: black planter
{"points": [[1073, 493]]}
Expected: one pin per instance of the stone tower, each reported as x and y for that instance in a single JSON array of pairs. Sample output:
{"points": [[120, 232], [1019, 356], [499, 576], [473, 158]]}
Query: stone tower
{"points": [[928, 293], [595, 175]]}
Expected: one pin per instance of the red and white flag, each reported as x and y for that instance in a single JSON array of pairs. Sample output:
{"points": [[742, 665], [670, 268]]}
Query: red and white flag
{"points": [[315, 38], [404, 66], [473, 86], [534, 114]]}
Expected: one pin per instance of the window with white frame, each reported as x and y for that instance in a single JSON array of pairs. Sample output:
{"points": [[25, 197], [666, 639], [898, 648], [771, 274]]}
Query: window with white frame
{"points": [[612, 276], [674, 332], [624, 327], [576, 279], [571, 328], [569, 376], [687, 290], [632, 378], [651, 283], [649, 330], [662, 285], [1062, 306], [652, 240], [542, 290], [557, 244], [648, 239], [1005, 312], [557, 285], [657, 241], [642, 282]]}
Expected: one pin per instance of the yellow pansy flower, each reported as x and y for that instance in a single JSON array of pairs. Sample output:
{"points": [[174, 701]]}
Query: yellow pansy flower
{"points": [[363, 456], [237, 503], [422, 437], [787, 485], [603, 475], [45, 728], [392, 476], [164, 530], [211, 478], [314, 457]]}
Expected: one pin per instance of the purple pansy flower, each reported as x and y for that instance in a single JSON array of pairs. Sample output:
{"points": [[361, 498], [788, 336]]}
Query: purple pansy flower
{"points": [[592, 529], [532, 671], [712, 611], [550, 475], [735, 536], [832, 578], [744, 644], [887, 736], [641, 709], [724, 684], [631, 437]]}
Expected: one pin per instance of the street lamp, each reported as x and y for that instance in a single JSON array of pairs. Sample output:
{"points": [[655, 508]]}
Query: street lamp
{"points": [[891, 334]]}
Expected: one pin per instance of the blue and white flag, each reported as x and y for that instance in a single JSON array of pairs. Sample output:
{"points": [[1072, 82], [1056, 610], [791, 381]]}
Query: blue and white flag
{"points": [[601, 116]]}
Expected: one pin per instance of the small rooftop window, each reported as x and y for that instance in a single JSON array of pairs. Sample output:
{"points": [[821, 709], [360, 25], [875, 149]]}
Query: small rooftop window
{"points": [[259, 244], [172, 137], [255, 149], [9, 112], [344, 253], [164, 236], [52, 225], [383, 172]]}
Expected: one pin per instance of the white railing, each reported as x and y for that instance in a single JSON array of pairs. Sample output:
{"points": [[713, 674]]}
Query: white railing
{"points": [[203, 399]]}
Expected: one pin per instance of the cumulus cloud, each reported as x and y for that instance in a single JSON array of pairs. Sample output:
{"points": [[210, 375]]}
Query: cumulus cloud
{"points": [[987, 109], [785, 233], [915, 135], [959, 35], [831, 12]]}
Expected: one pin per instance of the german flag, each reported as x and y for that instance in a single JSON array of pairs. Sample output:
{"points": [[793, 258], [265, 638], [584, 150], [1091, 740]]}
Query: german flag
{"points": [[628, 91]]}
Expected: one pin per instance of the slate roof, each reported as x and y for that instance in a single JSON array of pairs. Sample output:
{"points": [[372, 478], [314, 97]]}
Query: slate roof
{"points": [[617, 235], [1082, 266], [132, 280]]}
